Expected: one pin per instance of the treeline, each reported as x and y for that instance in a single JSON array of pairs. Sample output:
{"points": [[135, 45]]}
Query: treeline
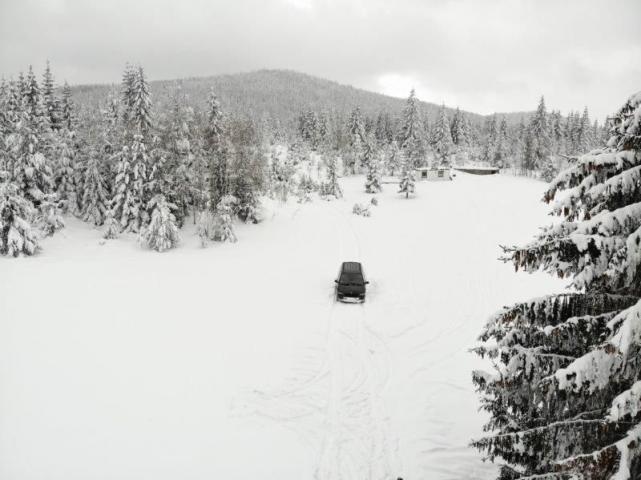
{"points": [[534, 147]]}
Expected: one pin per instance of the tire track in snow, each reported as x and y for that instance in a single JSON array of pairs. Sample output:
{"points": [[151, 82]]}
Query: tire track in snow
{"points": [[357, 441], [337, 405]]}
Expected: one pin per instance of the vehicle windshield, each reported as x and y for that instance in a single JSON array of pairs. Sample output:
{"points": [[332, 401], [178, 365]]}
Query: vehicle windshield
{"points": [[351, 279]]}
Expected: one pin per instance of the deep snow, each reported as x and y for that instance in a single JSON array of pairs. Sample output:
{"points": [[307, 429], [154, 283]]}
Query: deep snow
{"points": [[234, 362]]}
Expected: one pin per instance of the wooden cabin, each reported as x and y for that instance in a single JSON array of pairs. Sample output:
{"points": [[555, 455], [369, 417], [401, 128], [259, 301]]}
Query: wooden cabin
{"points": [[433, 174]]}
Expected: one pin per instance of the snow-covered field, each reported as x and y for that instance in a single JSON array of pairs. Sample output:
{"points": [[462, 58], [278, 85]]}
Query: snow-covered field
{"points": [[234, 361]]}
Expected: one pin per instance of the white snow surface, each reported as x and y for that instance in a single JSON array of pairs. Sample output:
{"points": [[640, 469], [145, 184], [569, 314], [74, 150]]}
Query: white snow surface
{"points": [[235, 362]]}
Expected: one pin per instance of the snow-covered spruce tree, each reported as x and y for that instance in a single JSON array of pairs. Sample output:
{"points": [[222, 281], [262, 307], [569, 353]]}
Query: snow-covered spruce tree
{"points": [[529, 156], [132, 190], [585, 132], [112, 227], [371, 162], [17, 236], [180, 148], [411, 137], [540, 130], [549, 171], [331, 187], [131, 187], [501, 145], [564, 400], [64, 175], [442, 138], [50, 101], [49, 217], [32, 96], [392, 158], [282, 174], [136, 102], [489, 146], [407, 182], [95, 199], [67, 109], [162, 232], [217, 151], [556, 132], [127, 93], [459, 130], [356, 135], [224, 222], [27, 165], [246, 180], [141, 103]]}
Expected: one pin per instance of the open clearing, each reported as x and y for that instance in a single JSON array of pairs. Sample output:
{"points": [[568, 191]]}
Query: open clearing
{"points": [[234, 361]]}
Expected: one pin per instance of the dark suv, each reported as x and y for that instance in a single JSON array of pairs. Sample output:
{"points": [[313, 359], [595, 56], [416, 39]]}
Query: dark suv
{"points": [[350, 284]]}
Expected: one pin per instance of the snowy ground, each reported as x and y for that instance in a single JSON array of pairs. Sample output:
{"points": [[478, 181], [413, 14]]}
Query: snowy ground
{"points": [[234, 362]]}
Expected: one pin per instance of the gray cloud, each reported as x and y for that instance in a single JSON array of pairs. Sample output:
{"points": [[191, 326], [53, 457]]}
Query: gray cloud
{"points": [[482, 55]]}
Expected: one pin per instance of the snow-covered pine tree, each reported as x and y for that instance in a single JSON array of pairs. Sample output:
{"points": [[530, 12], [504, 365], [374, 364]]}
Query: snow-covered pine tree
{"points": [[331, 185], [564, 400], [217, 150], [67, 109], [383, 132], [356, 136], [282, 173], [540, 129], [17, 236], [28, 166], [140, 113], [572, 133], [64, 174], [529, 156], [585, 132], [411, 137], [224, 221], [95, 199], [50, 101], [162, 232], [489, 147], [407, 182], [112, 227], [459, 130], [309, 128], [442, 138], [180, 150], [549, 170], [247, 180], [49, 217], [130, 188], [32, 96], [501, 145], [372, 164], [127, 93], [556, 131], [392, 158]]}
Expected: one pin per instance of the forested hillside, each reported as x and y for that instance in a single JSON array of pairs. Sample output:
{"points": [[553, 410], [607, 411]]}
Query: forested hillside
{"points": [[278, 94]]}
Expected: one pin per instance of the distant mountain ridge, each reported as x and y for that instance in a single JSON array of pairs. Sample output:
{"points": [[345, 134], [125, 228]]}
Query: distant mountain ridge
{"points": [[281, 94]]}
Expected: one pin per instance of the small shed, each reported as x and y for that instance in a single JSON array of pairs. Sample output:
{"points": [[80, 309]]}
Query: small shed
{"points": [[433, 174]]}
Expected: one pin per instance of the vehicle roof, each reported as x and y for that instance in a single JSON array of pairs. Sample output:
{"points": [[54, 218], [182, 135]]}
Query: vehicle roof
{"points": [[351, 267]]}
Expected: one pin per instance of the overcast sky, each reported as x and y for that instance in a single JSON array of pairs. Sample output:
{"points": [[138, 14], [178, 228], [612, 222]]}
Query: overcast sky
{"points": [[483, 56]]}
